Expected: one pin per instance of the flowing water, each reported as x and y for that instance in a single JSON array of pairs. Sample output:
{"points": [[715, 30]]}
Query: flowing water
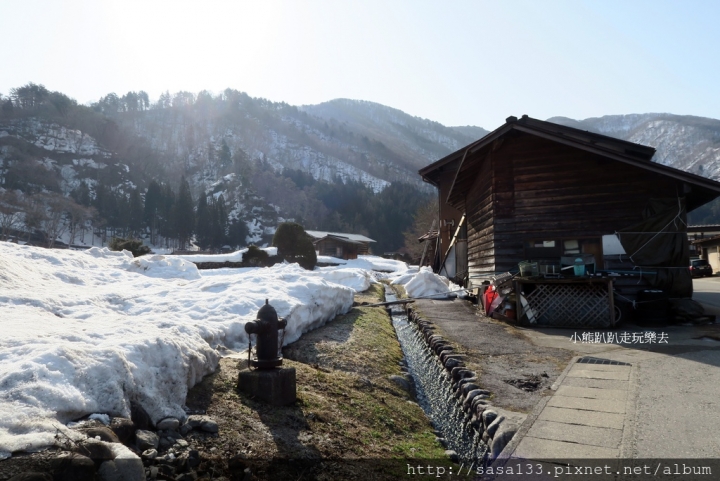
{"points": [[434, 388]]}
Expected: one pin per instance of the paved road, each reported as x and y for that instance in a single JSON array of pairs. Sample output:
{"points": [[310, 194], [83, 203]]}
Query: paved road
{"points": [[707, 292], [658, 401], [662, 403]]}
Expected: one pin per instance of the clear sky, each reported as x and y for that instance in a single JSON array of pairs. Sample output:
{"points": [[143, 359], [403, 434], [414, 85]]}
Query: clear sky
{"points": [[456, 62]]}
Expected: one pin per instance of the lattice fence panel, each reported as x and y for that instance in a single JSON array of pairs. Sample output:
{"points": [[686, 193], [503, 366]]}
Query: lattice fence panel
{"points": [[570, 305]]}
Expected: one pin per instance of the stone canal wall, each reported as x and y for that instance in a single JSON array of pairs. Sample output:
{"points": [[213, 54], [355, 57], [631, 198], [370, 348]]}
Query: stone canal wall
{"points": [[496, 426]]}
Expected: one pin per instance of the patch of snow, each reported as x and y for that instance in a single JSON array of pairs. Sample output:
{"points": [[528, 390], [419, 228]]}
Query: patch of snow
{"points": [[236, 256], [358, 280], [375, 263], [330, 260], [103, 418], [255, 231], [88, 331], [404, 277], [426, 283]]}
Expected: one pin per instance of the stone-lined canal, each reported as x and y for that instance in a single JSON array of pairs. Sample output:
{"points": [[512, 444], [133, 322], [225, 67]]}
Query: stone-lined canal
{"points": [[434, 389]]}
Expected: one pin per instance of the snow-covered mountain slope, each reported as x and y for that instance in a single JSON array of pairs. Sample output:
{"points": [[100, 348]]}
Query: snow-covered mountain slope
{"points": [[423, 140], [352, 140], [38, 154], [685, 142]]}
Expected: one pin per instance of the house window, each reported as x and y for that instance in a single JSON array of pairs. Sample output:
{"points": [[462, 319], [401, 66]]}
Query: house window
{"points": [[548, 249], [571, 247], [338, 251]]}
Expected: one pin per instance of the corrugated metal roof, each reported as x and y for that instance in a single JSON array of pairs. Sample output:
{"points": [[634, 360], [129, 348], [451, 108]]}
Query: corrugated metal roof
{"points": [[318, 234]]}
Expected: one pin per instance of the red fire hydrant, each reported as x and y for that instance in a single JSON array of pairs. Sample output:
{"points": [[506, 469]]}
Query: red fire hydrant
{"points": [[266, 327]]}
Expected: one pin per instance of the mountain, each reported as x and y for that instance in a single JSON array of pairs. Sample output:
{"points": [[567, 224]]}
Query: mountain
{"points": [[340, 166], [419, 141], [343, 165], [685, 142]]}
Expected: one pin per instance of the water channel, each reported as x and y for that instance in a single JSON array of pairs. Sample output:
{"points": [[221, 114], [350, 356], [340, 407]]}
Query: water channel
{"points": [[434, 388]]}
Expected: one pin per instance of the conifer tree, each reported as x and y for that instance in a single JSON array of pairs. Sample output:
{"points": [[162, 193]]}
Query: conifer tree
{"points": [[220, 223], [153, 204], [136, 212], [203, 224], [225, 157], [167, 221], [184, 214]]}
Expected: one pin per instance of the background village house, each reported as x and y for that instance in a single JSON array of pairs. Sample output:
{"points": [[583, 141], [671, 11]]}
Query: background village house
{"points": [[537, 191], [340, 245]]}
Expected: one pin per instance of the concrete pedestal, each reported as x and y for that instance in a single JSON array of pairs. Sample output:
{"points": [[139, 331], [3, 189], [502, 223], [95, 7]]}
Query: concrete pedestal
{"points": [[273, 386]]}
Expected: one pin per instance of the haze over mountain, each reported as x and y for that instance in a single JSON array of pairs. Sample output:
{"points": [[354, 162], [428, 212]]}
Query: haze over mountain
{"points": [[342, 165]]}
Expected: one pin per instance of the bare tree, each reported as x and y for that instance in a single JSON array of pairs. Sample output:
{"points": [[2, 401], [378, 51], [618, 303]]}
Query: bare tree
{"points": [[34, 216], [11, 213], [422, 224], [77, 217], [47, 213], [53, 225]]}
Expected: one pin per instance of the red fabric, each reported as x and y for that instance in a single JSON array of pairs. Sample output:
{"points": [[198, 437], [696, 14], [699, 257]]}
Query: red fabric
{"points": [[490, 295]]}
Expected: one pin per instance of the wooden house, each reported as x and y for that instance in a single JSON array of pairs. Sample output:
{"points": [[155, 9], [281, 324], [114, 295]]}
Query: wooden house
{"points": [[530, 186], [698, 233], [537, 190], [340, 245]]}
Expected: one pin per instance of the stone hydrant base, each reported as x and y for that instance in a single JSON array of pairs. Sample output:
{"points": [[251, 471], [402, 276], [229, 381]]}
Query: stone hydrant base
{"points": [[273, 386]]}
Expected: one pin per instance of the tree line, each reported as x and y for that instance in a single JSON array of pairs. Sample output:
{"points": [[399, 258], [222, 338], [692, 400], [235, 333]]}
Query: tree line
{"points": [[164, 210], [160, 214]]}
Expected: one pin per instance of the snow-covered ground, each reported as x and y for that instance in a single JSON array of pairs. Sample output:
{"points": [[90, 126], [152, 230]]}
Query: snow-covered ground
{"points": [[236, 256], [92, 331]]}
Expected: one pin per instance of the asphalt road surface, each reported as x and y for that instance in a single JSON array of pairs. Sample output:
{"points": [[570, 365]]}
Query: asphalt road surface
{"points": [[706, 291]]}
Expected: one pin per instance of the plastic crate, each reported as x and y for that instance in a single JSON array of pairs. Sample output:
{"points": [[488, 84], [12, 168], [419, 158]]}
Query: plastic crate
{"points": [[528, 269]]}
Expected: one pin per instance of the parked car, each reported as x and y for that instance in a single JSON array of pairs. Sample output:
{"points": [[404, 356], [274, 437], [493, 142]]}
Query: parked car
{"points": [[700, 268]]}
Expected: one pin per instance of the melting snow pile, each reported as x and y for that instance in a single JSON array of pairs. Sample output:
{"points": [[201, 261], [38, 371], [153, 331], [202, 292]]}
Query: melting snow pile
{"points": [[330, 260], [236, 256], [403, 277], [358, 280], [89, 332], [426, 283], [372, 263]]}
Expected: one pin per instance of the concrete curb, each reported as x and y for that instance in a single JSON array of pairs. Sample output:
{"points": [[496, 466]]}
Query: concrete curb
{"points": [[509, 450], [627, 447], [565, 372]]}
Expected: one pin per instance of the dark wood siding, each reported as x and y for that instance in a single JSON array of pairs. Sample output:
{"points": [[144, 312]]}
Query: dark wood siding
{"points": [[480, 228], [447, 212], [546, 190], [329, 247]]}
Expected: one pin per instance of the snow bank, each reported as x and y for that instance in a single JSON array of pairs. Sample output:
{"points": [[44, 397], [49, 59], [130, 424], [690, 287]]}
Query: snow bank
{"points": [[164, 267], [236, 256], [358, 280], [374, 263], [426, 283], [89, 331], [403, 277], [330, 260]]}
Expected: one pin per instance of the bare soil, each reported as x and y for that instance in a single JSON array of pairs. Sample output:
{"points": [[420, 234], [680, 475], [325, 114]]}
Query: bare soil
{"points": [[516, 371]]}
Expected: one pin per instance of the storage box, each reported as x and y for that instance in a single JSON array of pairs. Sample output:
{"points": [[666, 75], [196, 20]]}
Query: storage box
{"points": [[528, 269]]}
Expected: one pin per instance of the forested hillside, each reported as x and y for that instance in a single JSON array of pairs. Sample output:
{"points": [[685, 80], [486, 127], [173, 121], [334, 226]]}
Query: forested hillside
{"points": [[224, 169], [127, 167]]}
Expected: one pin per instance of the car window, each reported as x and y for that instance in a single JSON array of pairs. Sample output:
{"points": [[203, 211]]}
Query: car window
{"points": [[699, 263]]}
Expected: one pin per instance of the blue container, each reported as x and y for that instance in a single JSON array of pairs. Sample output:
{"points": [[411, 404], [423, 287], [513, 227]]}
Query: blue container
{"points": [[579, 267]]}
